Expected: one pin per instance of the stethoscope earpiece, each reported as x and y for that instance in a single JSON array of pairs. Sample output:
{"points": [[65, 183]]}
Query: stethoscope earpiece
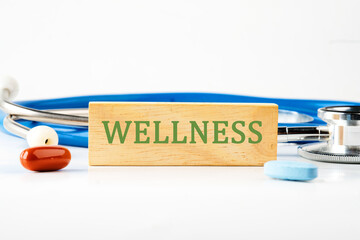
{"points": [[41, 136], [9, 88]]}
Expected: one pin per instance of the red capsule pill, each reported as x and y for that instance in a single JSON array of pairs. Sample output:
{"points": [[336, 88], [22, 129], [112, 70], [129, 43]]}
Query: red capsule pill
{"points": [[45, 158]]}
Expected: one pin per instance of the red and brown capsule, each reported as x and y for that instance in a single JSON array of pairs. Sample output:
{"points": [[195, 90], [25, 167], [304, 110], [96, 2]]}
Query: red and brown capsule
{"points": [[45, 158]]}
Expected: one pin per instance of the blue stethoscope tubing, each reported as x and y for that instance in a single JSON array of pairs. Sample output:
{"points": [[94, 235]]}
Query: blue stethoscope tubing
{"points": [[78, 136]]}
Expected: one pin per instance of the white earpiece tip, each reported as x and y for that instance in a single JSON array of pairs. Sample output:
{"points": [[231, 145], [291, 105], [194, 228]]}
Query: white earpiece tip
{"points": [[41, 136], [8, 87]]}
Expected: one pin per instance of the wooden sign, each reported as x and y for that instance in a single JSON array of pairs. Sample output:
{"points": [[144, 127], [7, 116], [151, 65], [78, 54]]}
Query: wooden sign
{"points": [[143, 133]]}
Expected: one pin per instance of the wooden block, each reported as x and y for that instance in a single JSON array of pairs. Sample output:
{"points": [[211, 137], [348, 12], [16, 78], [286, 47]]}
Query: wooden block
{"points": [[143, 133]]}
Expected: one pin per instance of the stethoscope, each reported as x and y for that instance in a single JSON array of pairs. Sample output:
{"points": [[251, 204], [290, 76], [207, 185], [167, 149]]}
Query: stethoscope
{"points": [[329, 130]]}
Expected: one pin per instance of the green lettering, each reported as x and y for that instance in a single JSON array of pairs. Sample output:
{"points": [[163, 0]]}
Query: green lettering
{"points": [[175, 132], [236, 130], [117, 129], [202, 135], [138, 131], [217, 131], [257, 133], [157, 134]]}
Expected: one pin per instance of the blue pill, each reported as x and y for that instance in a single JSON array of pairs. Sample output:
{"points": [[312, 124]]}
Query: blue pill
{"points": [[289, 170]]}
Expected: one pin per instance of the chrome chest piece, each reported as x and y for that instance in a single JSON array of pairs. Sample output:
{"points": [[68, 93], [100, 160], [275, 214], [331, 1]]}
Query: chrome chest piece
{"points": [[343, 145]]}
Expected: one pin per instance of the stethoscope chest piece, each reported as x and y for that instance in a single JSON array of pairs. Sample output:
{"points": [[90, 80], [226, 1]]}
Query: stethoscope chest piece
{"points": [[343, 145]]}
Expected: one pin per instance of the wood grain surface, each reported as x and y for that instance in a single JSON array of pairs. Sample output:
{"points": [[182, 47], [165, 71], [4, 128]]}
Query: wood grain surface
{"points": [[206, 133]]}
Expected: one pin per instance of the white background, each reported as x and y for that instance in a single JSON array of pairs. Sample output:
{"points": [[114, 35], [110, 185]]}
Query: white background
{"points": [[301, 49], [297, 49]]}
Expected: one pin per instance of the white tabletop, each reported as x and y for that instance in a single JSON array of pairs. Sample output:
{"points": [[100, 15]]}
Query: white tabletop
{"points": [[174, 202]]}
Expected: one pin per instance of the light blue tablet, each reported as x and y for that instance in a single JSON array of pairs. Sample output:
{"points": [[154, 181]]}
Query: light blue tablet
{"points": [[291, 170]]}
